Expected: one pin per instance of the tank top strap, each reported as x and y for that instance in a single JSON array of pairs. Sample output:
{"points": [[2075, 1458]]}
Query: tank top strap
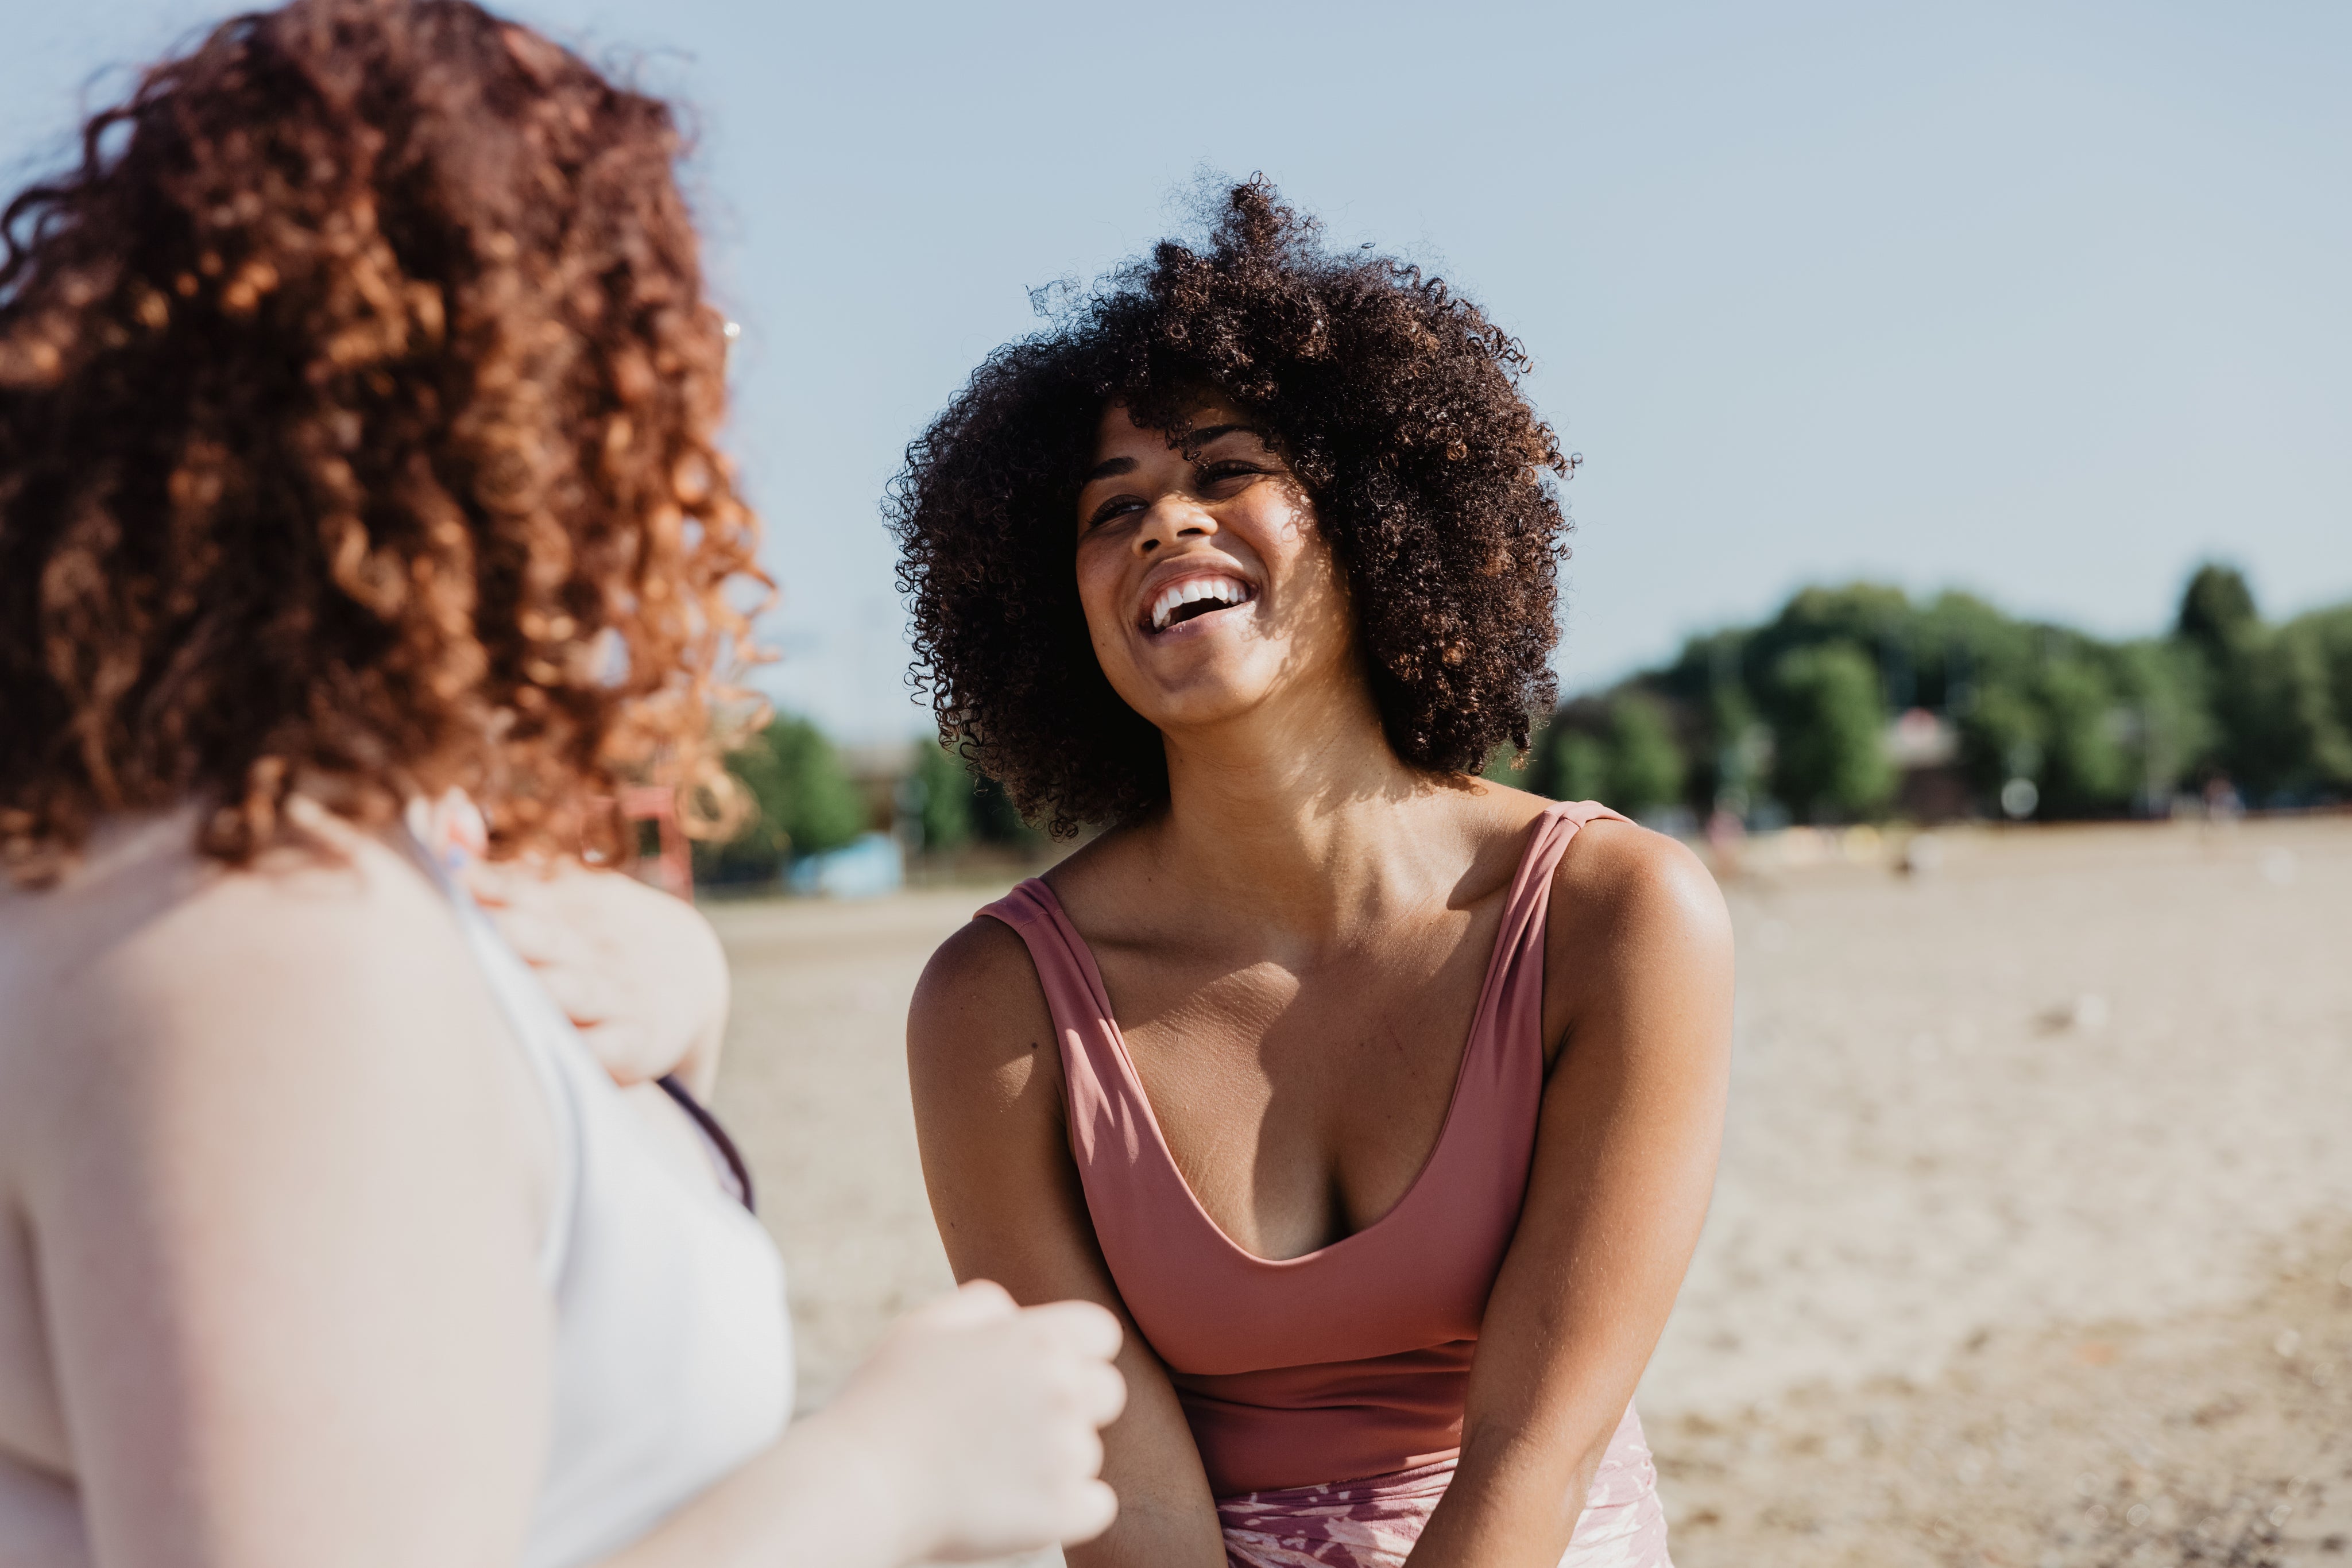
{"points": [[1511, 1009], [1110, 1118], [537, 1028]]}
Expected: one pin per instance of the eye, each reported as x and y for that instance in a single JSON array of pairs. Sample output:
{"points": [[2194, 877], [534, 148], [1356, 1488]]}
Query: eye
{"points": [[1226, 469], [1116, 506]]}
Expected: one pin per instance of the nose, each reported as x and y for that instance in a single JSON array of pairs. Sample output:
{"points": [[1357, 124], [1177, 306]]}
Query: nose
{"points": [[1172, 519]]}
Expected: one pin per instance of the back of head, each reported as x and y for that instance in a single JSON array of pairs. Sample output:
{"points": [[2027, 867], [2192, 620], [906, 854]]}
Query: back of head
{"points": [[357, 401]]}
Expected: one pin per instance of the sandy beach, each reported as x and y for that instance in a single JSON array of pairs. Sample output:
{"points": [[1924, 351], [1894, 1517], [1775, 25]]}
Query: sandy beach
{"points": [[2032, 1243]]}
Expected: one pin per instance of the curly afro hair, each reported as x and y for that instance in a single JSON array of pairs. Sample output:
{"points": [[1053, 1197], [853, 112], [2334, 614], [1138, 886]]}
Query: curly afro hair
{"points": [[1396, 402], [357, 401]]}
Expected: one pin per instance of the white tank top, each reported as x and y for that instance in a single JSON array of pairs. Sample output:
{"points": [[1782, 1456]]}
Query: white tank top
{"points": [[673, 1356]]}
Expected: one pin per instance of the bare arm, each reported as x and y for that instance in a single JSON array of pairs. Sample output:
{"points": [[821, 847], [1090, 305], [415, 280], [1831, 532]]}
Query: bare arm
{"points": [[285, 1227], [1638, 975], [987, 1086]]}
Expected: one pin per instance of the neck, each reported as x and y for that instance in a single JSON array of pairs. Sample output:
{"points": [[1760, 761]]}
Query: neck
{"points": [[1299, 815]]}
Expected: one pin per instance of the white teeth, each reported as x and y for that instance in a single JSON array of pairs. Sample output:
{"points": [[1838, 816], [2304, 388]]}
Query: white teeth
{"points": [[1223, 589]]}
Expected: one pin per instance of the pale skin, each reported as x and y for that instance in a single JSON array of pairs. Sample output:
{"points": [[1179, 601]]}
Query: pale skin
{"points": [[272, 1183], [1293, 946]]}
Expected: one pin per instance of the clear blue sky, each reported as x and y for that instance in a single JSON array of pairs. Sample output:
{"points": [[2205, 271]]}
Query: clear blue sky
{"points": [[2049, 301]]}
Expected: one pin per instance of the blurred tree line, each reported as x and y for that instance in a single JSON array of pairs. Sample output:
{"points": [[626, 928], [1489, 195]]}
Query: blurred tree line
{"points": [[805, 802], [1791, 719]]}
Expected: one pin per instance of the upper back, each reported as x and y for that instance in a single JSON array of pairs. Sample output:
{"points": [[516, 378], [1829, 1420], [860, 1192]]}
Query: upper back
{"points": [[255, 1162], [323, 1052]]}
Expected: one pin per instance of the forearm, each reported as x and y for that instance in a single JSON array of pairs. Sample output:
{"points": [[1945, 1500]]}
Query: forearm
{"points": [[1167, 1517], [1155, 1531], [809, 1500], [817, 1499], [1514, 1501]]}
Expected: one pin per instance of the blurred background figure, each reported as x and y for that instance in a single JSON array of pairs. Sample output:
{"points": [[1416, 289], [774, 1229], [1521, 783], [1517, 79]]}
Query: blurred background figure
{"points": [[362, 517]]}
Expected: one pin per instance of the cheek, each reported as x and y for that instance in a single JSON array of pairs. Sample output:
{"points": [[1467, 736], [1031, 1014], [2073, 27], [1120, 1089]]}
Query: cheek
{"points": [[1296, 551], [1100, 574]]}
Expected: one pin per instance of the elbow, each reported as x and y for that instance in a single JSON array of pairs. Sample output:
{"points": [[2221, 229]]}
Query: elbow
{"points": [[1534, 1472]]}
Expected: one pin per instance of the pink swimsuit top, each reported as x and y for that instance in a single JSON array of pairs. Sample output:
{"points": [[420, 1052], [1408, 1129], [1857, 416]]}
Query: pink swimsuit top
{"points": [[1352, 1360]]}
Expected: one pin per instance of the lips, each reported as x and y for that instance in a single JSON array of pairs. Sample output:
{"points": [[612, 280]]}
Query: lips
{"points": [[1190, 598]]}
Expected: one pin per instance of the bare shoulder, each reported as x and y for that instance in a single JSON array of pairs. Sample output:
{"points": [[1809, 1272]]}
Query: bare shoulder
{"points": [[308, 976], [979, 1023], [271, 1141], [1631, 908], [1617, 876]]}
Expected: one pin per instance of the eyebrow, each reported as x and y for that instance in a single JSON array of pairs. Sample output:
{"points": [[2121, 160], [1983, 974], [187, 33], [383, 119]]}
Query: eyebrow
{"points": [[1112, 467]]}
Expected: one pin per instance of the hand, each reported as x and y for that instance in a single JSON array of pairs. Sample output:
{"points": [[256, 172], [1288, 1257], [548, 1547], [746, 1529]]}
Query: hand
{"points": [[639, 972], [986, 1416]]}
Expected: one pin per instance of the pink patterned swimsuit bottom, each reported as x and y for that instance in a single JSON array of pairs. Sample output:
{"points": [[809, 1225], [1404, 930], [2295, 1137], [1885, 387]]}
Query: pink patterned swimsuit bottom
{"points": [[1372, 1524]]}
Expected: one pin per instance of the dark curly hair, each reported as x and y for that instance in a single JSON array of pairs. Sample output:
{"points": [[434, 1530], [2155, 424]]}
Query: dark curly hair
{"points": [[357, 399], [1395, 402]]}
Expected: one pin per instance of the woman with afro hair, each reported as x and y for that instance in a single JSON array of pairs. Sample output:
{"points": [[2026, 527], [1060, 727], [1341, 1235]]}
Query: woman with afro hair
{"points": [[360, 518], [1381, 1102]]}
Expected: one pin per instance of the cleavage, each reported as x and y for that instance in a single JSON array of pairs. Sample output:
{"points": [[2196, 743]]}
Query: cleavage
{"points": [[1299, 1109]]}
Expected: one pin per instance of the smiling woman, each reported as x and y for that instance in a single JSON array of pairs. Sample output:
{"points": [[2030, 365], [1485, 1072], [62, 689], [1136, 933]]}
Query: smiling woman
{"points": [[358, 398], [1393, 401], [1385, 1099]]}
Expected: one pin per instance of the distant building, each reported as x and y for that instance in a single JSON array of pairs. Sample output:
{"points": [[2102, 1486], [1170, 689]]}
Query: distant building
{"points": [[1924, 749]]}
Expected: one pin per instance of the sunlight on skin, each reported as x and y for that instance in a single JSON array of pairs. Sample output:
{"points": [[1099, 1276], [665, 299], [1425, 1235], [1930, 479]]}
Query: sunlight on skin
{"points": [[1291, 944]]}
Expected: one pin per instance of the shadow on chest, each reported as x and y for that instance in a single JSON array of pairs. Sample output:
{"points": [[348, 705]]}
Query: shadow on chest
{"points": [[1301, 1101]]}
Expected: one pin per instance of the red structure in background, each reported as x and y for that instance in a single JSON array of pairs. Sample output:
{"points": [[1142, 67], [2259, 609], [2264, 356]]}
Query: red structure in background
{"points": [[672, 870]]}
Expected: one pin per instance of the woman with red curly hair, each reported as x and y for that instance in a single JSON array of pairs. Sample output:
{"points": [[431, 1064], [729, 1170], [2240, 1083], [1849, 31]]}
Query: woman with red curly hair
{"points": [[1381, 1101], [358, 393]]}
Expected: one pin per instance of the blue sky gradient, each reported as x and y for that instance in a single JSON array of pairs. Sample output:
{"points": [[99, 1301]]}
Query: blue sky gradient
{"points": [[2045, 301]]}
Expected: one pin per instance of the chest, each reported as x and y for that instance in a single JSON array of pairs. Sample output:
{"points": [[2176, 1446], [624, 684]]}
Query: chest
{"points": [[1300, 1099]]}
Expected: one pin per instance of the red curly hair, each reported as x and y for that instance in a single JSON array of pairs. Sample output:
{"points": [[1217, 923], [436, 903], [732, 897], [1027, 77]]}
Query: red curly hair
{"points": [[358, 393]]}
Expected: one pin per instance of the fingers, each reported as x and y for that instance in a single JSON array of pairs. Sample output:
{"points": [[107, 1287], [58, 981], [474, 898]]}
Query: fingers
{"points": [[623, 1047], [1086, 1327], [542, 941], [1001, 1407], [1091, 1512], [975, 1302], [1100, 1394], [986, 1291]]}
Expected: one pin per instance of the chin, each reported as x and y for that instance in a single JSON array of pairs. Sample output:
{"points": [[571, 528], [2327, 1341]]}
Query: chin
{"points": [[1206, 699]]}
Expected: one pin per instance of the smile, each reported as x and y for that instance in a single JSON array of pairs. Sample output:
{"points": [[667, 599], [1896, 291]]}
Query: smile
{"points": [[1196, 597]]}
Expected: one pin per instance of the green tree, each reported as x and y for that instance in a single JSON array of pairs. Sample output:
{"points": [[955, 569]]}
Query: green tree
{"points": [[2280, 732], [805, 804], [2085, 769], [1828, 723], [1568, 758], [2163, 684], [2328, 635], [943, 786], [2217, 610], [2282, 729], [2001, 739], [960, 806], [1645, 767]]}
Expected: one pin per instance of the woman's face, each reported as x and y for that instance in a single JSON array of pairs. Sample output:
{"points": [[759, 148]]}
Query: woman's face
{"points": [[1209, 589]]}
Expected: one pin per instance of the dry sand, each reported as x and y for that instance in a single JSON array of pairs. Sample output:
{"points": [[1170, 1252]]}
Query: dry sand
{"points": [[2027, 1245]]}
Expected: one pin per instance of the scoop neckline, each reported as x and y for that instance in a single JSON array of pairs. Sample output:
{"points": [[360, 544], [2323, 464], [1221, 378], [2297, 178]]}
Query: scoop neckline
{"points": [[1044, 892]]}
